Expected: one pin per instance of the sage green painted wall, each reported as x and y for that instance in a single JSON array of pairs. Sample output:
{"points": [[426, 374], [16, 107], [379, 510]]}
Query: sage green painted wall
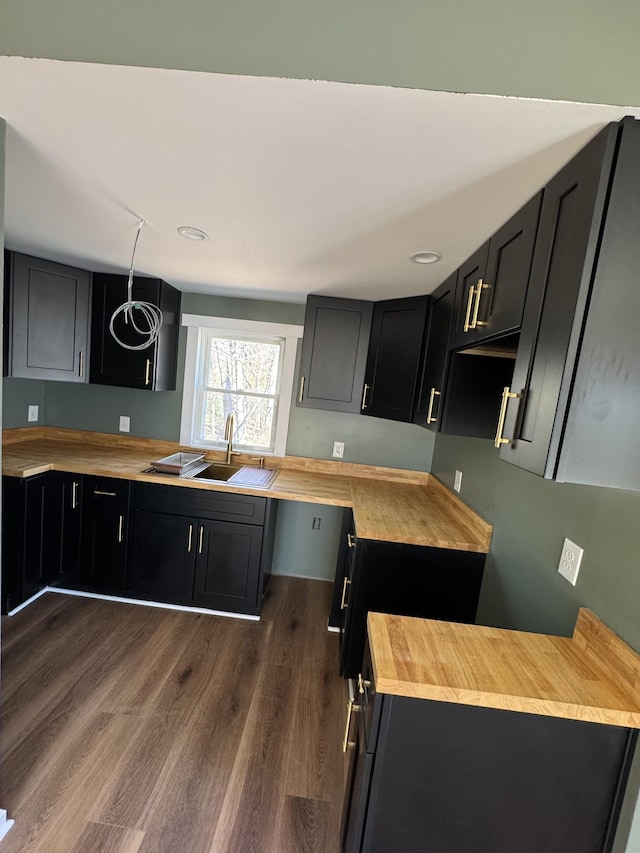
{"points": [[583, 50], [301, 551], [17, 396], [531, 517]]}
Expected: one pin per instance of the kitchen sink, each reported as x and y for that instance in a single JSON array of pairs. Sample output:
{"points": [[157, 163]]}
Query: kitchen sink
{"points": [[216, 472]]}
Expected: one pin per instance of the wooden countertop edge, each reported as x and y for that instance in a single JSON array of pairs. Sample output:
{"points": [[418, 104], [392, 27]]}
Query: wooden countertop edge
{"points": [[511, 702], [594, 651]]}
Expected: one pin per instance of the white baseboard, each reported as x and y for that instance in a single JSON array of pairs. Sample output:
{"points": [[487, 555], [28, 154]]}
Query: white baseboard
{"points": [[5, 824]]}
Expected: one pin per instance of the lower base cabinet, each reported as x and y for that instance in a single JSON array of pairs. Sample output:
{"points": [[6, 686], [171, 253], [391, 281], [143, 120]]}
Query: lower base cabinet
{"points": [[203, 548], [438, 776], [105, 522]]}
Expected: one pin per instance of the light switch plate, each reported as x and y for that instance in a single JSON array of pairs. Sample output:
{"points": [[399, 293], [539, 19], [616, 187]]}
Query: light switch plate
{"points": [[457, 482], [570, 561], [125, 423], [338, 449], [33, 413]]}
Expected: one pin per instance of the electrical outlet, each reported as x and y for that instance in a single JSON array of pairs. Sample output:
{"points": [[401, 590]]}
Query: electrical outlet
{"points": [[457, 482], [570, 561], [33, 413], [315, 524], [338, 449], [125, 423]]}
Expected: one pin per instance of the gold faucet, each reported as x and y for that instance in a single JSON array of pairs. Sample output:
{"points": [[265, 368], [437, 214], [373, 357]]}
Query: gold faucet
{"points": [[228, 437]]}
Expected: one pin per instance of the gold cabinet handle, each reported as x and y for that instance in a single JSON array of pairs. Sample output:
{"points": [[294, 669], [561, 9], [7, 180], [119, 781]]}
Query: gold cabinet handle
{"points": [[74, 496], [432, 396], [507, 394], [364, 396], [476, 308], [346, 743], [343, 603], [147, 377], [120, 524], [351, 540], [200, 539], [190, 538], [80, 364], [106, 494], [301, 389], [467, 317], [362, 683]]}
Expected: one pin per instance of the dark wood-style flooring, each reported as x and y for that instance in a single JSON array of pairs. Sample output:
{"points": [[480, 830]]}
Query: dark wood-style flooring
{"points": [[128, 729]]}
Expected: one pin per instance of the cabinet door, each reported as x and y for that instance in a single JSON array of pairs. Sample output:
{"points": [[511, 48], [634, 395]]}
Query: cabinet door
{"points": [[151, 369], [162, 556], [393, 363], [228, 566], [357, 791], [430, 405], [43, 532], [104, 533], [566, 248], [69, 494], [469, 274], [49, 320], [334, 353]]}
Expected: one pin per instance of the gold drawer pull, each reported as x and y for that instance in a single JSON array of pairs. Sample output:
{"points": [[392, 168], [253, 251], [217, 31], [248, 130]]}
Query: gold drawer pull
{"points": [[364, 396], [351, 540], [120, 524], [507, 394], [147, 377], [467, 318], [190, 538], [300, 395], [74, 496], [475, 322], [346, 743], [106, 494], [432, 396], [362, 683], [343, 603], [200, 539]]}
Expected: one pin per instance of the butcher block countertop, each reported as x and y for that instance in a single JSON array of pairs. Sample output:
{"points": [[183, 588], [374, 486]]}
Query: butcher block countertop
{"points": [[592, 676], [388, 504]]}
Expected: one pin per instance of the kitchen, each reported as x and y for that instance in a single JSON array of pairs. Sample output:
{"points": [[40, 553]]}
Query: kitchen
{"points": [[530, 516]]}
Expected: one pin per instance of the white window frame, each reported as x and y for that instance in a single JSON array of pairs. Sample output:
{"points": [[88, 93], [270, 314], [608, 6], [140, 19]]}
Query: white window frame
{"points": [[226, 327]]}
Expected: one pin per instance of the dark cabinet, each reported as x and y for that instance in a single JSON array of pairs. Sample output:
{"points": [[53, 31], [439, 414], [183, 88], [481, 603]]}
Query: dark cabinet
{"points": [[207, 548], [492, 284], [151, 369], [49, 320], [40, 535], [575, 407], [105, 520], [394, 358], [447, 777], [430, 402], [408, 580], [228, 566], [162, 556], [334, 353]]}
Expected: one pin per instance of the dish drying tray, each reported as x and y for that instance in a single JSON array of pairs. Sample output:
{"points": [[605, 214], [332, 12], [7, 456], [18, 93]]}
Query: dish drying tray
{"points": [[178, 463]]}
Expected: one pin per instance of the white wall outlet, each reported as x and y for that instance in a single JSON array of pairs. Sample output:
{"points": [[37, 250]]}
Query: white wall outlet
{"points": [[457, 481], [125, 423], [33, 413], [338, 449], [570, 561]]}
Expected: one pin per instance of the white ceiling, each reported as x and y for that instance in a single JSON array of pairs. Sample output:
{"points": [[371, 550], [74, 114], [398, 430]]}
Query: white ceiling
{"points": [[303, 186]]}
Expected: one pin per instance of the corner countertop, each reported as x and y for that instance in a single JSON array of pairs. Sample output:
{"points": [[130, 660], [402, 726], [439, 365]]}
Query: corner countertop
{"points": [[592, 676], [391, 505]]}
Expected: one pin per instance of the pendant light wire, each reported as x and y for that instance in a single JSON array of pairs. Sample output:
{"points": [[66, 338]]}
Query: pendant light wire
{"points": [[148, 316]]}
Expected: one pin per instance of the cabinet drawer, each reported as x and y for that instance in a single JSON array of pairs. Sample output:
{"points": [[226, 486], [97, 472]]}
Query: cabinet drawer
{"points": [[211, 505]]}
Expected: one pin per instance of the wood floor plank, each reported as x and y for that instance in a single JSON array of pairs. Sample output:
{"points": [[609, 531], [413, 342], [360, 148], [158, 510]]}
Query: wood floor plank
{"points": [[307, 827], [99, 838], [300, 636], [14, 627], [250, 812]]}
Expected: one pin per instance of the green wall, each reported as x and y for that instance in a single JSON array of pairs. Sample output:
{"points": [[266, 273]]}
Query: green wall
{"points": [[531, 517], [582, 50]]}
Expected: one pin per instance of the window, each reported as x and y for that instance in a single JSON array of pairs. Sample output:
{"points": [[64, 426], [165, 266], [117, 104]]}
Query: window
{"points": [[238, 367]]}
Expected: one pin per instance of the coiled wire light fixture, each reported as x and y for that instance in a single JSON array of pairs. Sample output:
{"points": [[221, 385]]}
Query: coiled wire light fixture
{"points": [[144, 317]]}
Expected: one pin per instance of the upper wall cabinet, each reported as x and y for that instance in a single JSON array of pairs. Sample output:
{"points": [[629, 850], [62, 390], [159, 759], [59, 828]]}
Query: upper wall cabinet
{"points": [[334, 353], [429, 407], [393, 363], [574, 404], [49, 320], [492, 284], [151, 369]]}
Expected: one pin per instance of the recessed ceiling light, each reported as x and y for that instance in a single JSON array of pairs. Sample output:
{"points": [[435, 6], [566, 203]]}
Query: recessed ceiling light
{"points": [[192, 233], [426, 257]]}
